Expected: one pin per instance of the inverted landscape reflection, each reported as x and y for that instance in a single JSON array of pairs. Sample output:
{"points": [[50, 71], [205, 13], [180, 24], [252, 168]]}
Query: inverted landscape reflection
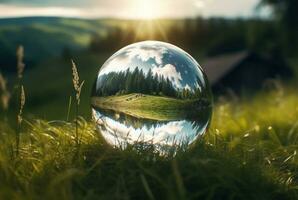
{"points": [[151, 92], [119, 130]]}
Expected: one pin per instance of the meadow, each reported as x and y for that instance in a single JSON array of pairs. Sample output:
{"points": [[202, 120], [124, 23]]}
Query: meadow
{"points": [[249, 152], [148, 106]]}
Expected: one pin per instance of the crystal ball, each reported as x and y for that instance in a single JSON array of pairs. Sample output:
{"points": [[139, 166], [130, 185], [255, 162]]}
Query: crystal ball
{"points": [[151, 93]]}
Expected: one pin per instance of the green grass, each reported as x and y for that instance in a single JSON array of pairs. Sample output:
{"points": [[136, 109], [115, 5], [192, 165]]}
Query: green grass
{"points": [[146, 106], [249, 152]]}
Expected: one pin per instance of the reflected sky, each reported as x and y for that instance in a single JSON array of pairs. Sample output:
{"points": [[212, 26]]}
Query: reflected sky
{"points": [[176, 133], [162, 59]]}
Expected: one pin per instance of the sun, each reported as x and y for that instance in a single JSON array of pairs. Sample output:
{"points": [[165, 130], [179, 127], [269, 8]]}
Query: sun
{"points": [[148, 9], [149, 15]]}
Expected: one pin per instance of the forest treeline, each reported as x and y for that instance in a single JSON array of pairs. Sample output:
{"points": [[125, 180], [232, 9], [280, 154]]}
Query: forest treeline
{"points": [[209, 36], [277, 33], [137, 81]]}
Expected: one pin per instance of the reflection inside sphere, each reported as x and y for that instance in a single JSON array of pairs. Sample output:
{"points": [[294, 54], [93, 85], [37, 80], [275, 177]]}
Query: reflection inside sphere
{"points": [[154, 93]]}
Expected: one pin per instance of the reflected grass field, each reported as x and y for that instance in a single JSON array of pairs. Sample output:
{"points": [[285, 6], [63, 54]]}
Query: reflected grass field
{"points": [[148, 106], [249, 152]]}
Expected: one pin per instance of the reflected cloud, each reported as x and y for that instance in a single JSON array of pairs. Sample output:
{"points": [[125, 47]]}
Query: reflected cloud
{"points": [[187, 87], [168, 71], [162, 59], [145, 53], [170, 134], [117, 63]]}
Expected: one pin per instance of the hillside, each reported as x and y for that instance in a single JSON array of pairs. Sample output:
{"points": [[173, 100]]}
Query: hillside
{"points": [[45, 37], [48, 37]]}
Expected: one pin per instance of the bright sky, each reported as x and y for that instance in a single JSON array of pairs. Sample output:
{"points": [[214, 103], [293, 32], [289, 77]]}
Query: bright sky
{"points": [[145, 9]]}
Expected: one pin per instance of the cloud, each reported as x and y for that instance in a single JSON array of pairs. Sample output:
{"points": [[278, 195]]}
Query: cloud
{"points": [[125, 58], [162, 134], [116, 63], [169, 133], [170, 128], [13, 11], [229, 8], [49, 3], [146, 53], [166, 134], [187, 87], [168, 71]]}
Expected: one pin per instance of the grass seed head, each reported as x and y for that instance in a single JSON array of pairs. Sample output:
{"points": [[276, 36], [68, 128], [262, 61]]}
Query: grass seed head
{"points": [[20, 58], [75, 76], [22, 103], [4, 93], [2, 83], [76, 81]]}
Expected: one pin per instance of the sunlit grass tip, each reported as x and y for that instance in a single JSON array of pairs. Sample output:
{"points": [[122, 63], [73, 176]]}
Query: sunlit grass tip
{"points": [[22, 104], [76, 81]]}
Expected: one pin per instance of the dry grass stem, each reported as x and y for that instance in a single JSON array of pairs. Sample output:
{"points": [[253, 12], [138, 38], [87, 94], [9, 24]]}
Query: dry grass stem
{"points": [[22, 103], [20, 63], [4, 93], [20, 119], [76, 82], [78, 88]]}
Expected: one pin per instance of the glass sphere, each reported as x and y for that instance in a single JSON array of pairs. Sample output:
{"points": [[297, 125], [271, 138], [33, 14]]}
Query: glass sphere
{"points": [[151, 93]]}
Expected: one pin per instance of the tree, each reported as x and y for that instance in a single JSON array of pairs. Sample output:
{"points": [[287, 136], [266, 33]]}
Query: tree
{"points": [[136, 81], [286, 13]]}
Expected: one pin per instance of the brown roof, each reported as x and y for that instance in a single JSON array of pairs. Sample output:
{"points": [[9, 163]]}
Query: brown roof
{"points": [[217, 67]]}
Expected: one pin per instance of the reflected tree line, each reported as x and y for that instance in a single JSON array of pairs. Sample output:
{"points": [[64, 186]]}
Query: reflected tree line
{"points": [[136, 81]]}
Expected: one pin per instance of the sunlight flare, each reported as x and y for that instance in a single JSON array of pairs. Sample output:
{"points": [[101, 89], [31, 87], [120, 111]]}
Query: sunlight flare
{"points": [[148, 9]]}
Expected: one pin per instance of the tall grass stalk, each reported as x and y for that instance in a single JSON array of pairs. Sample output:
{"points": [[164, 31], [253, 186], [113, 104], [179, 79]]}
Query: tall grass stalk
{"points": [[77, 88], [20, 119], [20, 64], [69, 108], [4, 94], [20, 90]]}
